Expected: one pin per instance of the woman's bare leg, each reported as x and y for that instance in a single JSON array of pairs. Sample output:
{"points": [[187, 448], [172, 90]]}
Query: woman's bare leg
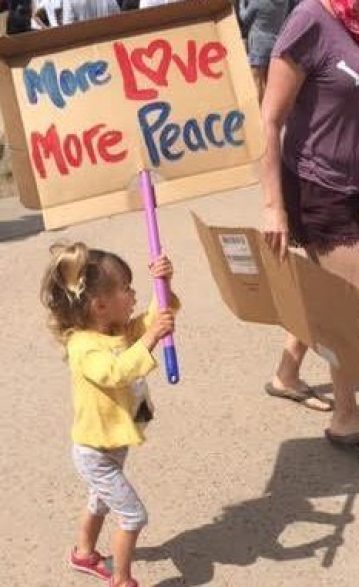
{"points": [[345, 416], [287, 374], [343, 261]]}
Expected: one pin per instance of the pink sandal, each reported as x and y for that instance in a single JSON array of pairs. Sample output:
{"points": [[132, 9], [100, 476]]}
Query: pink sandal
{"points": [[93, 564], [130, 583]]}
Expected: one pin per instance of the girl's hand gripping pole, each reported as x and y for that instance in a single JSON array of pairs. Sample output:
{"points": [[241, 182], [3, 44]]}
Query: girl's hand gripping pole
{"points": [[161, 286]]}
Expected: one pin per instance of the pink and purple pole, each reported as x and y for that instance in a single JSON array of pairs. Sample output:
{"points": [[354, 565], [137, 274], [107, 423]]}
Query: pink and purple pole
{"points": [[161, 286]]}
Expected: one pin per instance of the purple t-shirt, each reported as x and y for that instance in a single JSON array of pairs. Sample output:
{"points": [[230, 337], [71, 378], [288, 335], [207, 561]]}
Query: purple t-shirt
{"points": [[321, 142]]}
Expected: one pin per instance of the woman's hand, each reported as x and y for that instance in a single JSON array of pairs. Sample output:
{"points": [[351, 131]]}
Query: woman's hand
{"points": [[276, 230]]}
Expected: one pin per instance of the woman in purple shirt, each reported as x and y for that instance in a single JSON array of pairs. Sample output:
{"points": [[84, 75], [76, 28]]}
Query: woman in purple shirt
{"points": [[311, 181]]}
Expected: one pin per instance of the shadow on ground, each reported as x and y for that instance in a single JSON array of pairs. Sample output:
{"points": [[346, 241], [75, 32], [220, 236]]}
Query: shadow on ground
{"points": [[21, 227], [305, 469]]}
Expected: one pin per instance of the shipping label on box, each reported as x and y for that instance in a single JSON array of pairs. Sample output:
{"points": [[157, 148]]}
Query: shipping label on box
{"points": [[321, 309]]}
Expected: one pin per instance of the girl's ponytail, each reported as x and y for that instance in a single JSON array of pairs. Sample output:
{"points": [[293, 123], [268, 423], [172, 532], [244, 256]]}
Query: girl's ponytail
{"points": [[70, 268], [73, 278], [63, 289]]}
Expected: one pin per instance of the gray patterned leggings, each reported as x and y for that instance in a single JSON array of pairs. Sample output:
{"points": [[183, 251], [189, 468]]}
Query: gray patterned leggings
{"points": [[108, 487]]}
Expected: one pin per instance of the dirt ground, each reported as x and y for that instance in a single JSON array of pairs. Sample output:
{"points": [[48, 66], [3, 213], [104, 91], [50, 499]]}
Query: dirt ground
{"points": [[242, 489]]}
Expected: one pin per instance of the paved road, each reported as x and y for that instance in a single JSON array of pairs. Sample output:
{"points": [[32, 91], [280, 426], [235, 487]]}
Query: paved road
{"points": [[242, 489]]}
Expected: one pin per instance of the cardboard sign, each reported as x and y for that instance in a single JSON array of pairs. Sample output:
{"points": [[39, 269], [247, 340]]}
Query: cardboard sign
{"points": [[318, 307], [88, 106]]}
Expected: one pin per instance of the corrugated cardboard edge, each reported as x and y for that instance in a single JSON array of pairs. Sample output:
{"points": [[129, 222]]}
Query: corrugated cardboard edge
{"points": [[15, 135], [228, 283], [167, 193], [286, 292], [134, 21], [216, 263], [90, 209]]}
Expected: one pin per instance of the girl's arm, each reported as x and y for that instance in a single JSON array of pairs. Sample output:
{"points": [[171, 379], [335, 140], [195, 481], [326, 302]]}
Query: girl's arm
{"points": [[284, 82], [159, 268], [109, 370], [138, 326]]}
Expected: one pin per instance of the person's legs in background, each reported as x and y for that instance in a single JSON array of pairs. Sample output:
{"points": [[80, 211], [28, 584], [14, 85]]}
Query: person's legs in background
{"points": [[343, 261], [260, 79]]}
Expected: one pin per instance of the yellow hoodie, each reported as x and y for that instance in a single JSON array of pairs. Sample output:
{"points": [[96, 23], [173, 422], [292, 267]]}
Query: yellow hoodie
{"points": [[103, 368]]}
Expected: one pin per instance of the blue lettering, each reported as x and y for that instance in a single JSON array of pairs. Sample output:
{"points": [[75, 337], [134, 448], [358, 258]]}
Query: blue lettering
{"points": [[161, 136], [81, 76], [233, 122], [66, 83], [148, 130], [168, 137], [96, 71], [50, 83], [33, 85], [209, 130], [192, 136], [45, 83]]}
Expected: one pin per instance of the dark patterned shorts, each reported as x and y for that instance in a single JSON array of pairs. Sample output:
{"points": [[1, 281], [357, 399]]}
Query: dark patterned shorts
{"points": [[319, 218]]}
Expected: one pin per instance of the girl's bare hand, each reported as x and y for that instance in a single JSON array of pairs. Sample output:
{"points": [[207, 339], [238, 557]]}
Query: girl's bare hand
{"points": [[162, 325], [161, 267]]}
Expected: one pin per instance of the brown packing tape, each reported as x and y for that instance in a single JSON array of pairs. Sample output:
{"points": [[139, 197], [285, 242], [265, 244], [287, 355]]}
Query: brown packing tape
{"points": [[80, 141]]}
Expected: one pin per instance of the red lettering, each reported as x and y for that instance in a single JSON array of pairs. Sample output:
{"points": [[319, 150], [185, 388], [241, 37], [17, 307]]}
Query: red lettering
{"points": [[46, 146], [132, 92], [154, 62], [157, 74], [211, 53], [73, 150], [88, 139], [189, 69], [107, 140]]}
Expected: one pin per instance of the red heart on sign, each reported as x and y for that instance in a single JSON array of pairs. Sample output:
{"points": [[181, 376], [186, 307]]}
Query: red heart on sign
{"points": [[159, 49]]}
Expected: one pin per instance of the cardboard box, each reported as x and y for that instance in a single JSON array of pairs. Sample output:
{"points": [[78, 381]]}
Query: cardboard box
{"points": [[318, 307], [89, 105]]}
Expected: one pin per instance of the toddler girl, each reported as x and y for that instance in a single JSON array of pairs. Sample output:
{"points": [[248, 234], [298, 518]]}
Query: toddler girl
{"points": [[90, 299]]}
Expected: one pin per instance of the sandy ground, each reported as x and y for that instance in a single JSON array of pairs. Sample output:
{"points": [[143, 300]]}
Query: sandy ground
{"points": [[242, 489]]}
